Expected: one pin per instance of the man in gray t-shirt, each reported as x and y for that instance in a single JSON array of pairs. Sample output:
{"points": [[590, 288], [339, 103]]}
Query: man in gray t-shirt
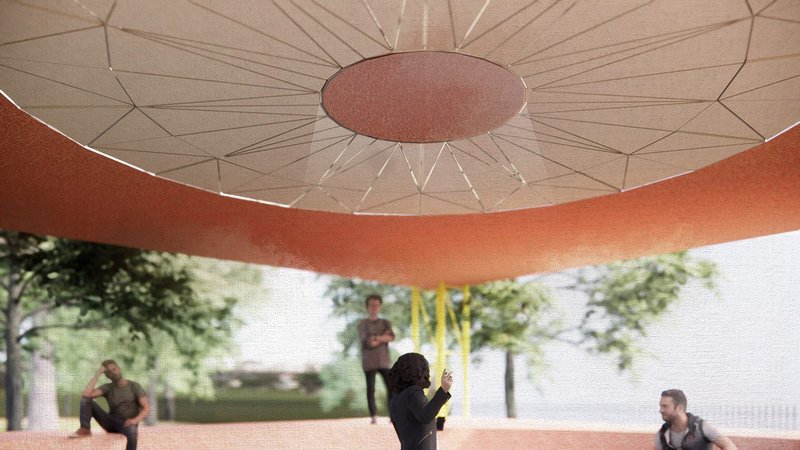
{"points": [[375, 334], [685, 431], [127, 403]]}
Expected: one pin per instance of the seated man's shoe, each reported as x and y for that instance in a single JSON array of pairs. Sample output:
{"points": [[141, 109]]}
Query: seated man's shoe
{"points": [[81, 432]]}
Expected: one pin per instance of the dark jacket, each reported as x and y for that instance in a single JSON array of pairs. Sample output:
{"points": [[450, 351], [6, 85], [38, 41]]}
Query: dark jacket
{"points": [[694, 439], [414, 417]]}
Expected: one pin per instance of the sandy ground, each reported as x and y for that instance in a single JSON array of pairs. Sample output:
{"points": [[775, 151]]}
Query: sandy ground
{"points": [[350, 434]]}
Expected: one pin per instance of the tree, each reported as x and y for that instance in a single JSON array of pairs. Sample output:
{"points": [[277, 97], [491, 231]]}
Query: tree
{"points": [[620, 301], [135, 291], [512, 317]]}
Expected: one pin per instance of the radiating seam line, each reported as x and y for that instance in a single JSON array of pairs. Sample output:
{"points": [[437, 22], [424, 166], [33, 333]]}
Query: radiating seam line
{"points": [[263, 144], [307, 33], [369, 189], [64, 84], [310, 122], [113, 147], [185, 166], [614, 108], [333, 62], [743, 121], [223, 100], [466, 178], [338, 157], [410, 169], [759, 87], [472, 25], [557, 163], [598, 144], [696, 133], [226, 108], [224, 111], [676, 130], [111, 11], [523, 27], [513, 170], [51, 11], [180, 45], [580, 145], [377, 24], [154, 121], [433, 166], [217, 130], [645, 41], [554, 82], [314, 18], [294, 144], [543, 31], [209, 80], [345, 168], [493, 27], [379, 205], [781, 19], [108, 46], [625, 176], [399, 24], [648, 46], [452, 24], [50, 35], [237, 49], [599, 94], [221, 61], [605, 22], [446, 200], [357, 29], [110, 126], [705, 147], [308, 155]]}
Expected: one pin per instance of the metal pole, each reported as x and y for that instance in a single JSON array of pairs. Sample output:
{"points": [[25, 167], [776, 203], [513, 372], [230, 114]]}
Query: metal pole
{"points": [[465, 347]]}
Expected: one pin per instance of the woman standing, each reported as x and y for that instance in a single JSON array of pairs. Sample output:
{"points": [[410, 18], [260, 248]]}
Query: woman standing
{"points": [[413, 416]]}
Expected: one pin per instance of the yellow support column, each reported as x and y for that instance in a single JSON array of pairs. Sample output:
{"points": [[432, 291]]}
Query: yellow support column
{"points": [[441, 343], [415, 305], [465, 347], [441, 347]]}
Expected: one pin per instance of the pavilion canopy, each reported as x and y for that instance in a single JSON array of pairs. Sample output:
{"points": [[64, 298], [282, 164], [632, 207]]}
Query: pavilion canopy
{"points": [[410, 142]]}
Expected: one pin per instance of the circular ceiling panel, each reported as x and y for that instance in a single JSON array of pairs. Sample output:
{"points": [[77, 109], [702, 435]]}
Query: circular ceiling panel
{"points": [[423, 97], [229, 97]]}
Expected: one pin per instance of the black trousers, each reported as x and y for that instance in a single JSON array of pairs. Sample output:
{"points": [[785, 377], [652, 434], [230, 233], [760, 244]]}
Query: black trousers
{"points": [[89, 409], [370, 375]]}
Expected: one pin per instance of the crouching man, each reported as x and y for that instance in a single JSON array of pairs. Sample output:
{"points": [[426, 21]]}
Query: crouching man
{"points": [[127, 403]]}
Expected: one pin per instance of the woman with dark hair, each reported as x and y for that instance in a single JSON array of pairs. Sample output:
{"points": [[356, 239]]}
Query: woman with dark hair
{"points": [[413, 416]]}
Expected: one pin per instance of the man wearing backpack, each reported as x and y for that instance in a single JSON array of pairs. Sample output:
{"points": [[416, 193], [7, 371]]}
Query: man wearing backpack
{"points": [[684, 431]]}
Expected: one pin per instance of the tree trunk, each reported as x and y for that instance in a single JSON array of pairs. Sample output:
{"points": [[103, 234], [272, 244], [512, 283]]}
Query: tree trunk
{"points": [[169, 402], [152, 397], [42, 400], [511, 406], [13, 381]]}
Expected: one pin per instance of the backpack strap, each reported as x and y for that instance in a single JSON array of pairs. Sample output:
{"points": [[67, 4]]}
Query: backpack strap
{"points": [[700, 426]]}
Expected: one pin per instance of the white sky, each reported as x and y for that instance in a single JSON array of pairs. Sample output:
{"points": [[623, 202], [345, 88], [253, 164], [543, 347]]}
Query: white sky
{"points": [[744, 346]]}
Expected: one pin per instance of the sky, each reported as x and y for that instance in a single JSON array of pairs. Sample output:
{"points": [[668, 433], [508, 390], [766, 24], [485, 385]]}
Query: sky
{"points": [[740, 348]]}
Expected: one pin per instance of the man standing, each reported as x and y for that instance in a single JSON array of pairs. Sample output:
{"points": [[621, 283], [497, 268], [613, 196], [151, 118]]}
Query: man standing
{"points": [[685, 431], [375, 335], [127, 403]]}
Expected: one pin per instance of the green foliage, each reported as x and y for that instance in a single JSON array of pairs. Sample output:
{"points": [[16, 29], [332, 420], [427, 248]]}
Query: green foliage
{"points": [[154, 312], [344, 387], [625, 297], [513, 317]]}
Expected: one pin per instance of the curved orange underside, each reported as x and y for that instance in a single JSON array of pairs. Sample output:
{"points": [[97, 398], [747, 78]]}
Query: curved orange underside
{"points": [[51, 185]]}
